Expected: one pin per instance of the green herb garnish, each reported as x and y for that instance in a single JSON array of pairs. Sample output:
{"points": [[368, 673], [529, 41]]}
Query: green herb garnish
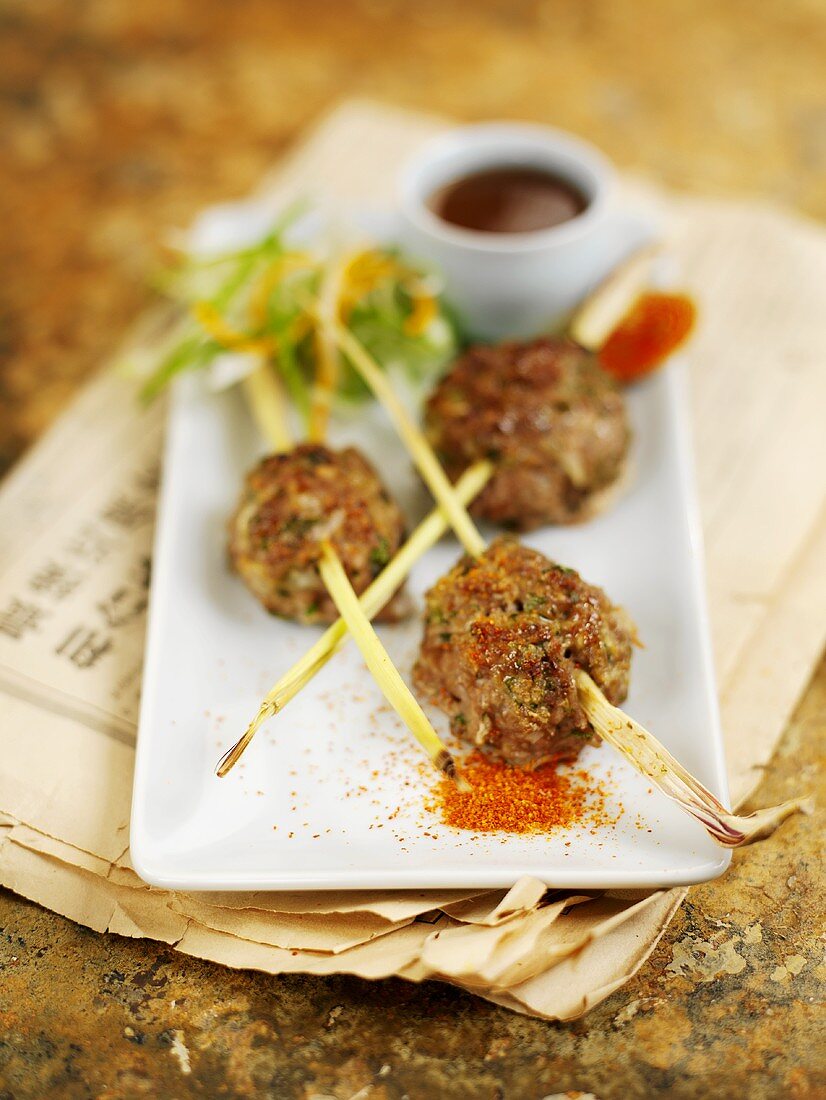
{"points": [[260, 301]]}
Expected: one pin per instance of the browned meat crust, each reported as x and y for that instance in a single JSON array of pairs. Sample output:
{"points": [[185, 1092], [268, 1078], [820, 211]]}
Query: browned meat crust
{"points": [[503, 637], [289, 504], [548, 415]]}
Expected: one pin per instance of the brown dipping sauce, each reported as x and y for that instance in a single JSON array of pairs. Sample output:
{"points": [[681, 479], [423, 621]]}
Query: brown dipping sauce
{"points": [[507, 200]]}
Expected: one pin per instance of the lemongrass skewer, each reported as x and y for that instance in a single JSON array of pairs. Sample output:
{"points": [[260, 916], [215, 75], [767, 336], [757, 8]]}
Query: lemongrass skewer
{"points": [[266, 406], [265, 402], [599, 314], [385, 673], [426, 535], [656, 763], [420, 450], [334, 575], [327, 373]]}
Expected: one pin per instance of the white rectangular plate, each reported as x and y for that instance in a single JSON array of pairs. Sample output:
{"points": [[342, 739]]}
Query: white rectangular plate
{"points": [[330, 795]]}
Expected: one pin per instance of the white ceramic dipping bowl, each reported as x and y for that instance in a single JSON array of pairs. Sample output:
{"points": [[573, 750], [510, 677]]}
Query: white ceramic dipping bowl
{"points": [[513, 284]]}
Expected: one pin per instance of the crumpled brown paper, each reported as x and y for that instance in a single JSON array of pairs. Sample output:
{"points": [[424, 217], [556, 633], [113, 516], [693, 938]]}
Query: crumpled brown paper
{"points": [[73, 589]]}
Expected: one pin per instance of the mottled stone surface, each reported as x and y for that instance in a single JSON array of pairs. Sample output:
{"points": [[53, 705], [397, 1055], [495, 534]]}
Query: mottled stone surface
{"points": [[121, 118]]}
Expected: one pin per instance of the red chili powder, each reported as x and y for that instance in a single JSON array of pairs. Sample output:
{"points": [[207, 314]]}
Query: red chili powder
{"points": [[507, 799], [655, 326]]}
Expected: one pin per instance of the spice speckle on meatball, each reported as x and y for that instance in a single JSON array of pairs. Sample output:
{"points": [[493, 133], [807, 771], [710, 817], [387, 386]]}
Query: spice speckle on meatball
{"points": [[503, 637], [291, 502], [550, 418]]}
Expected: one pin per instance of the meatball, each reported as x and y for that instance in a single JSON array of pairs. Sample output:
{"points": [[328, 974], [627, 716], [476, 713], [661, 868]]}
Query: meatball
{"points": [[549, 417], [503, 637], [289, 504]]}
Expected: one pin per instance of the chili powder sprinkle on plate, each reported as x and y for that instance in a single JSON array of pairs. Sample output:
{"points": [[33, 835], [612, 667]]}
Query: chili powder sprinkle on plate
{"points": [[503, 798]]}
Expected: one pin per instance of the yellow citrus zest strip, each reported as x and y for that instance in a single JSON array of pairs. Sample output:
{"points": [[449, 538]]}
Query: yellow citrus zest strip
{"points": [[223, 333]]}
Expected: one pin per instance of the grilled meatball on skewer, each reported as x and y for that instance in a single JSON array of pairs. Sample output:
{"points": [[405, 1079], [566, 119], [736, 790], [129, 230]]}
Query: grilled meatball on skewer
{"points": [[504, 635], [290, 503], [549, 417], [530, 663]]}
